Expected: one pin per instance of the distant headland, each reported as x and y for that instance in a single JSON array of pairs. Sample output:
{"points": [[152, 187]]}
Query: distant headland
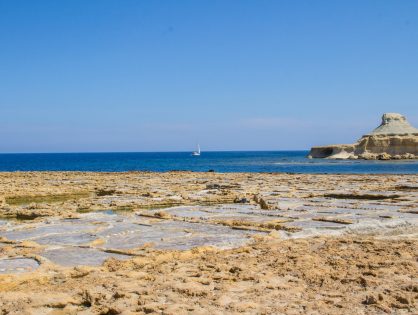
{"points": [[394, 139]]}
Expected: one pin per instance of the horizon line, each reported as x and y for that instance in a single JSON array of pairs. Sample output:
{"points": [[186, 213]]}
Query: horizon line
{"points": [[99, 152]]}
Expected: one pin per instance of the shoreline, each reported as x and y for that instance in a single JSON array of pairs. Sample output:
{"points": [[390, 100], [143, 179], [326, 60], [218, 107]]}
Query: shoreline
{"points": [[216, 172]]}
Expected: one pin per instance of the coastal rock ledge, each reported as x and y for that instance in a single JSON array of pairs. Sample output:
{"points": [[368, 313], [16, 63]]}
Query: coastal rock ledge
{"points": [[394, 139]]}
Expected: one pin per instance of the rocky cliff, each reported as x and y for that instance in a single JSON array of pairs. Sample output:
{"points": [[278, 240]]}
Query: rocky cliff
{"points": [[394, 139]]}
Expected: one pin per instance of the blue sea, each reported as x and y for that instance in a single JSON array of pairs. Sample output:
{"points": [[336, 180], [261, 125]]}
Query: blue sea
{"points": [[263, 161]]}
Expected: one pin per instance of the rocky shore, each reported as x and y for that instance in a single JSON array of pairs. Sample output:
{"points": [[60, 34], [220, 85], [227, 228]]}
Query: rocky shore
{"points": [[198, 243], [394, 139]]}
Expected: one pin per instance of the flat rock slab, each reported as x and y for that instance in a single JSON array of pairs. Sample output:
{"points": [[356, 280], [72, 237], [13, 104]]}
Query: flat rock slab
{"points": [[90, 239], [94, 237], [17, 265], [76, 256], [168, 234]]}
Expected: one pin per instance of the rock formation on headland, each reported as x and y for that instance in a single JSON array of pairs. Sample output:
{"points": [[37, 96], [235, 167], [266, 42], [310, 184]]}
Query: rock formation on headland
{"points": [[394, 139]]}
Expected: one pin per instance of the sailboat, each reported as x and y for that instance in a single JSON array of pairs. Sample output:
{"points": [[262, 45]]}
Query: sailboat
{"points": [[196, 153]]}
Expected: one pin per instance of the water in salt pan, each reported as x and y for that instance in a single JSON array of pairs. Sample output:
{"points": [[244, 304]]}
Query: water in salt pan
{"points": [[90, 239], [66, 239], [57, 227], [251, 213], [170, 234], [17, 265], [75, 256]]}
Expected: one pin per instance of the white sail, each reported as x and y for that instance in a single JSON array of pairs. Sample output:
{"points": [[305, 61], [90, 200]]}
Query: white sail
{"points": [[196, 153]]}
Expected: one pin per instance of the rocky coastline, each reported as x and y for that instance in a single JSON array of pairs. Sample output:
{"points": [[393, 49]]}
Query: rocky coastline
{"points": [[199, 243]]}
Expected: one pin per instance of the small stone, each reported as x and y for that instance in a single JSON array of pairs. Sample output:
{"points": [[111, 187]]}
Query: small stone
{"points": [[213, 186], [235, 269], [384, 156], [241, 200], [370, 299]]}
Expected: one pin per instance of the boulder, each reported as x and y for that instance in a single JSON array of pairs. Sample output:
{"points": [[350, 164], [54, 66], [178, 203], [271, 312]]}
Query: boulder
{"points": [[394, 139], [384, 156]]}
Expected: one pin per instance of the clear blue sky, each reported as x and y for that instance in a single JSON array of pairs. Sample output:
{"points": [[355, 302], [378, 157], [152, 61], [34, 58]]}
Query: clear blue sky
{"points": [[235, 75]]}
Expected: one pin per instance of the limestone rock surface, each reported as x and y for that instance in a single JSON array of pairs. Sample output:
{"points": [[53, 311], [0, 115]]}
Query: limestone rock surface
{"points": [[394, 139]]}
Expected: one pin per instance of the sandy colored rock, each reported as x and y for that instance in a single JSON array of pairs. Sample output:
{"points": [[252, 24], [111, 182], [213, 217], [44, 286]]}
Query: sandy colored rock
{"points": [[278, 271], [325, 275]]}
